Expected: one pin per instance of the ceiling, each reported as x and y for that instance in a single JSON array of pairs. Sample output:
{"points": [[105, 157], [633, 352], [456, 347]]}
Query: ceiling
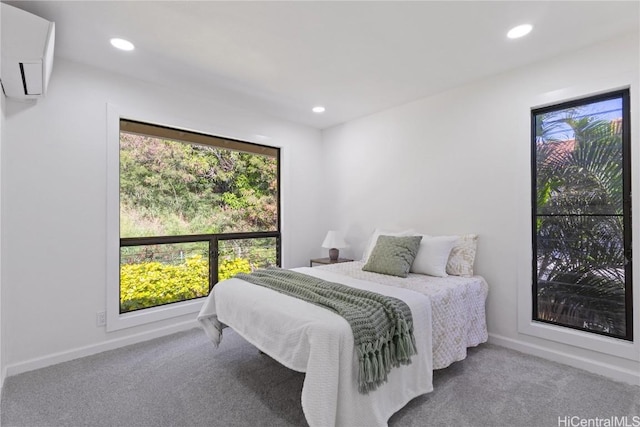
{"points": [[355, 58]]}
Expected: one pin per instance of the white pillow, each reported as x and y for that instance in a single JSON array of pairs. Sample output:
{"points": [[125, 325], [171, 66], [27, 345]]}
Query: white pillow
{"points": [[433, 255], [374, 239]]}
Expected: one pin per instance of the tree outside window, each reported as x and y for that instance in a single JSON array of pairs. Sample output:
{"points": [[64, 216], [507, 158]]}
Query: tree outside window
{"points": [[581, 216]]}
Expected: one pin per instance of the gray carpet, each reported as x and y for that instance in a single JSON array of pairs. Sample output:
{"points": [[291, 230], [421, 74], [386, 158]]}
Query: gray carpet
{"points": [[181, 380]]}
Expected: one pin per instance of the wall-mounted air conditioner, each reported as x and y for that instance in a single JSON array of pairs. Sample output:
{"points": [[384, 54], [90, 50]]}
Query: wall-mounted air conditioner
{"points": [[27, 53]]}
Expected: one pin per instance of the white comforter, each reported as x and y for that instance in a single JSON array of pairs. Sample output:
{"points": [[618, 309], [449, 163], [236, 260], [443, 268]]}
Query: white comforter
{"points": [[311, 339], [457, 307]]}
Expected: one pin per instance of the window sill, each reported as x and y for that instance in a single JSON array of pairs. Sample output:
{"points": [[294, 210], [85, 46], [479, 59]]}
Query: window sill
{"points": [[117, 321]]}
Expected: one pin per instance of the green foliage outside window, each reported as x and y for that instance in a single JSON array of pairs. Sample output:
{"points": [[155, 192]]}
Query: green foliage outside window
{"points": [[149, 284], [231, 267], [170, 188], [154, 283]]}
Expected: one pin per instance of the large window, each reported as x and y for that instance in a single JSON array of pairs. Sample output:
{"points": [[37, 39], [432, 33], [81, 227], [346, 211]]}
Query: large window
{"points": [[194, 209], [581, 216]]}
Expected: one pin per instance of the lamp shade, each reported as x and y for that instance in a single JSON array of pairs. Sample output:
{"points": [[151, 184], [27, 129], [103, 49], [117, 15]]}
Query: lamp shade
{"points": [[334, 239]]}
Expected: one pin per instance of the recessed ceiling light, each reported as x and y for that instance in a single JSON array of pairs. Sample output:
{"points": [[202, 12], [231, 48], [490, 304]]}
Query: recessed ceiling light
{"points": [[318, 109], [519, 31], [122, 44]]}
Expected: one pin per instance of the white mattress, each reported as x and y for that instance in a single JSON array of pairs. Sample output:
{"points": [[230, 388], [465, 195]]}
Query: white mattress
{"points": [[457, 306]]}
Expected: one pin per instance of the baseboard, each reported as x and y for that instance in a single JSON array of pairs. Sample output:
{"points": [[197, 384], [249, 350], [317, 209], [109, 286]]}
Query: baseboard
{"points": [[600, 368], [605, 369], [76, 353], [3, 374]]}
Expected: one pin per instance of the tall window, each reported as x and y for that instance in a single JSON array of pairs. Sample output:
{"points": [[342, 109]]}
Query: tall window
{"points": [[194, 209], [581, 200]]}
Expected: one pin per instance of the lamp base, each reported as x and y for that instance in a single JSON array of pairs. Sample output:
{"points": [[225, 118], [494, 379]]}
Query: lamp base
{"points": [[333, 254]]}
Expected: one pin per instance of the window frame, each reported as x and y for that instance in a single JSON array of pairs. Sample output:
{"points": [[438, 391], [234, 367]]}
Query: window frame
{"points": [[182, 312], [624, 95], [214, 249]]}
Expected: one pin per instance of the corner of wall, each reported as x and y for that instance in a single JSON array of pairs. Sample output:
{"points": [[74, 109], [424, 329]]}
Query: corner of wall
{"points": [[2, 368]]}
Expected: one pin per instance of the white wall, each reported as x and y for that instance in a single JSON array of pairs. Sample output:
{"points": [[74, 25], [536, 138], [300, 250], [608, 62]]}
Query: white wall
{"points": [[54, 205], [459, 162], [2, 127]]}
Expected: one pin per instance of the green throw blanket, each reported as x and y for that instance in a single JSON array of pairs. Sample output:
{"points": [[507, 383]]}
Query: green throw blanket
{"points": [[382, 326]]}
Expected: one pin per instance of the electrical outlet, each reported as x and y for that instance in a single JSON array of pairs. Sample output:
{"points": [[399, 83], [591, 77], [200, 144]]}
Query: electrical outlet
{"points": [[101, 318]]}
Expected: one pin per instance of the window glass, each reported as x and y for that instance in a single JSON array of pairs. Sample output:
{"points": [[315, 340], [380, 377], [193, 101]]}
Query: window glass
{"points": [[171, 187], [194, 209], [581, 215]]}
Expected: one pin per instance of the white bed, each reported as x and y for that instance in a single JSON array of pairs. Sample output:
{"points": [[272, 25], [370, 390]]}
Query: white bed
{"points": [[457, 305], [311, 339]]}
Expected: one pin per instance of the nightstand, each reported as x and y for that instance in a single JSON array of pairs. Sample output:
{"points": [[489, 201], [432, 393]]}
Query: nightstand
{"points": [[325, 261]]}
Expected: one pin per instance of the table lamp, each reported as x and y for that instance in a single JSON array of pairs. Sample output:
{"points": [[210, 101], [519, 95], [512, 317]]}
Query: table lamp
{"points": [[333, 242]]}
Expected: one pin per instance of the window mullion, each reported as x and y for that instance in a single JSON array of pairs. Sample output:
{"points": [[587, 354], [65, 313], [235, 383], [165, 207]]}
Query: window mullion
{"points": [[213, 262]]}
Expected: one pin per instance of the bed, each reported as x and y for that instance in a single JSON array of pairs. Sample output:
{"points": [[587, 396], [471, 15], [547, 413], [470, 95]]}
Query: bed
{"points": [[457, 304], [448, 317]]}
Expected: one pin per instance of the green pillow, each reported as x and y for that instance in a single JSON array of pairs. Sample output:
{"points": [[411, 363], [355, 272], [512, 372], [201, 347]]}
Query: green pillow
{"points": [[393, 255]]}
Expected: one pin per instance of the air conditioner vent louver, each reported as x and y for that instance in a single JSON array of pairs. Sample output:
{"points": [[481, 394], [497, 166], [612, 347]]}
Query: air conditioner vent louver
{"points": [[31, 78], [27, 53]]}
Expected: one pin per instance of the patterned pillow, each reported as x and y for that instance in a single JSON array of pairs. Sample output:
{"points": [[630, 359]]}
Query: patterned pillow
{"points": [[374, 239], [393, 255], [462, 256]]}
